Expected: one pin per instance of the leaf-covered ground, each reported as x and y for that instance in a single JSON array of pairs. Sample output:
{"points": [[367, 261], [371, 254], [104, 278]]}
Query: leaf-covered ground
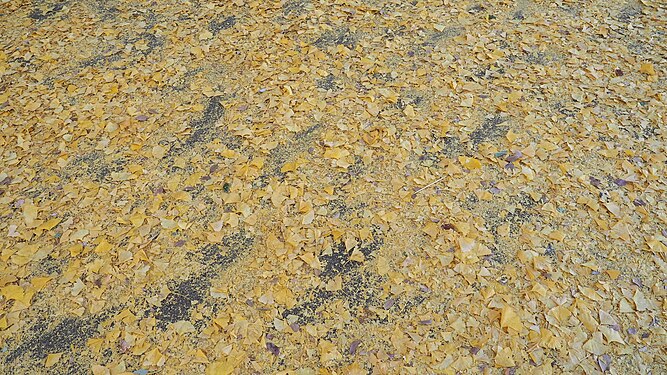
{"points": [[333, 187]]}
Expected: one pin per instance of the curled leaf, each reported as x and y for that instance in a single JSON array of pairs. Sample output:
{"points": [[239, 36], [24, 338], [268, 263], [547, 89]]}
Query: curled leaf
{"points": [[514, 157], [604, 361], [275, 350], [354, 346]]}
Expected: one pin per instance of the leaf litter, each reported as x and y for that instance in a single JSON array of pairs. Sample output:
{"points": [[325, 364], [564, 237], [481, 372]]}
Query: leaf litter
{"points": [[342, 187]]}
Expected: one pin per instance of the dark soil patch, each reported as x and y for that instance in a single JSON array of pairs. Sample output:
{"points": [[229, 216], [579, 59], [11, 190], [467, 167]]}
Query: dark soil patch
{"points": [[49, 266], [413, 99], [194, 290], [359, 290], [327, 83], [183, 297], [341, 36], [233, 247], [550, 251], [393, 33], [382, 77], [339, 262], [527, 201], [492, 128], [568, 110], [287, 151], [93, 165], [497, 256], [221, 23], [103, 59], [337, 208], [106, 9], [43, 14], [516, 218], [439, 36], [451, 147], [152, 42], [205, 129], [538, 57], [629, 12], [296, 7], [357, 168], [62, 337]]}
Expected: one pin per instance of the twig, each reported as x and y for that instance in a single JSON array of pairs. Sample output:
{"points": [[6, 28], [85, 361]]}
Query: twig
{"points": [[429, 185]]}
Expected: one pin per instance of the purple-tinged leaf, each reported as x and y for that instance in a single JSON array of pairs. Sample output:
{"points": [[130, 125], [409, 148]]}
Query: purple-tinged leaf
{"points": [[426, 322], [295, 327], [604, 361], [142, 118], [594, 181], [448, 226], [514, 157], [639, 202], [632, 331], [620, 182], [354, 346], [389, 303], [275, 350], [123, 346]]}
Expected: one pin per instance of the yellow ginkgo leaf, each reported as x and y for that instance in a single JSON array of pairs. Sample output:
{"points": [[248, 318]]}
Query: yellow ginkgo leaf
{"points": [[50, 224], [470, 163], [504, 358], [12, 292], [52, 359], [510, 320], [647, 68]]}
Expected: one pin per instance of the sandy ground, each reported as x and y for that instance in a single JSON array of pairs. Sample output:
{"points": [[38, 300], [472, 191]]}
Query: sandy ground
{"points": [[341, 187]]}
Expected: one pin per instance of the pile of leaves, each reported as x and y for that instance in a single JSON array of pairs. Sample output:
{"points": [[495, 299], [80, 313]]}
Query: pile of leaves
{"points": [[333, 187]]}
